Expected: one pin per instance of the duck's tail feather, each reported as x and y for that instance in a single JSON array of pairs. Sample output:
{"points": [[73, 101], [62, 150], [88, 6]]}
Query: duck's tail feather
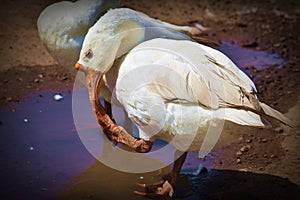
{"points": [[206, 41], [277, 115], [241, 117]]}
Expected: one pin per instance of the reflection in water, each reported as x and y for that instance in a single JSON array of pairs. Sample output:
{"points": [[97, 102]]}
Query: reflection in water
{"points": [[102, 182], [245, 58], [41, 151], [40, 155]]}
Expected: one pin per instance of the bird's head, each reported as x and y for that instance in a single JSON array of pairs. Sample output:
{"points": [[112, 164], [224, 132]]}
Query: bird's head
{"points": [[98, 52], [62, 26], [108, 40]]}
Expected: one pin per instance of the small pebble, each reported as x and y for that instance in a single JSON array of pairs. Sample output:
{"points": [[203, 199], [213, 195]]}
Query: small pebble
{"points": [[251, 44], [277, 45], [261, 168], [245, 148], [279, 130], [58, 97], [239, 153], [36, 80], [282, 39], [238, 161], [9, 99], [249, 140], [62, 78], [25, 120], [264, 140], [31, 148], [243, 25]]}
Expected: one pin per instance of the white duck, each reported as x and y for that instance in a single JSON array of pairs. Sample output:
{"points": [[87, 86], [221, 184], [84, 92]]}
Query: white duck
{"points": [[172, 90]]}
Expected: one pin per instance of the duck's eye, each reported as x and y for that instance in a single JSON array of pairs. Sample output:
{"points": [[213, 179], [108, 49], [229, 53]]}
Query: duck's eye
{"points": [[89, 54]]}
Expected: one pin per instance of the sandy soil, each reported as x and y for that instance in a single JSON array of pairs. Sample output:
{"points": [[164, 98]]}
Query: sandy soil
{"points": [[26, 67]]}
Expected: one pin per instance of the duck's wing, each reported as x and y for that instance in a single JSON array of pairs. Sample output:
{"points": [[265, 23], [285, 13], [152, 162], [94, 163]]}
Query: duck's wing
{"points": [[199, 74], [205, 76], [187, 72], [234, 88]]}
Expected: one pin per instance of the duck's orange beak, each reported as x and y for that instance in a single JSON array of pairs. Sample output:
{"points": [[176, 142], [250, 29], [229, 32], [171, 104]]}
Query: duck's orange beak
{"points": [[81, 67], [78, 66]]}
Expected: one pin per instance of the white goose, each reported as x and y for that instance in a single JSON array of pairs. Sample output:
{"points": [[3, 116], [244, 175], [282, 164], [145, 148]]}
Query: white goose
{"points": [[173, 90]]}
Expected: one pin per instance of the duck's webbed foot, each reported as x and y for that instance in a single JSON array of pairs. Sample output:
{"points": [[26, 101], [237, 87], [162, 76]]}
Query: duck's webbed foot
{"points": [[119, 135], [103, 115], [163, 188]]}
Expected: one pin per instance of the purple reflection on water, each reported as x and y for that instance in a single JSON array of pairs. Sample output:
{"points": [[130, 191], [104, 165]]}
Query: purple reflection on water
{"points": [[39, 156], [245, 57]]}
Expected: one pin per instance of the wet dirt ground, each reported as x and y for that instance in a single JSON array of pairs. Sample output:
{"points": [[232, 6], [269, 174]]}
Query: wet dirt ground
{"points": [[43, 158]]}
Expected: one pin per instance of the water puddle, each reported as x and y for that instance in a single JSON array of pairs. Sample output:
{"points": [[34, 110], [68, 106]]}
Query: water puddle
{"points": [[245, 58], [40, 148], [41, 151]]}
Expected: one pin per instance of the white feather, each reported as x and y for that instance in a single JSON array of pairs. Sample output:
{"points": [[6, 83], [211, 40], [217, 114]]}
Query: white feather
{"points": [[177, 90]]}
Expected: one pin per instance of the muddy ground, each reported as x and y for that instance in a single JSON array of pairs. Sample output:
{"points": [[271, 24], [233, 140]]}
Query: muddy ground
{"points": [[272, 26]]}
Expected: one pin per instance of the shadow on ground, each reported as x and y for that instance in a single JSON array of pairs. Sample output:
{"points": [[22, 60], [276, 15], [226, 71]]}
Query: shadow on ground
{"points": [[101, 182], [227, 184]]}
